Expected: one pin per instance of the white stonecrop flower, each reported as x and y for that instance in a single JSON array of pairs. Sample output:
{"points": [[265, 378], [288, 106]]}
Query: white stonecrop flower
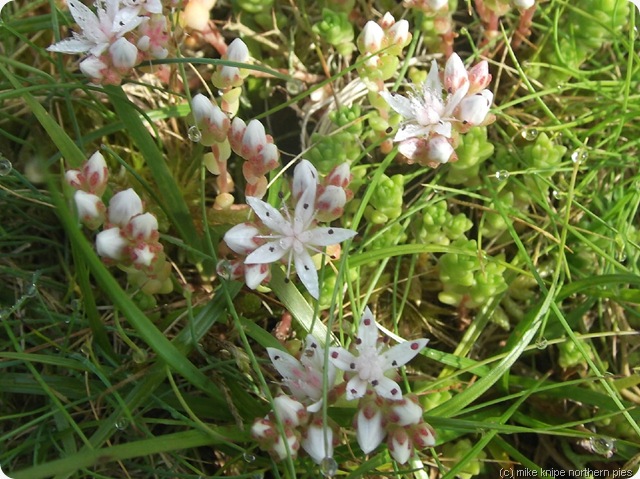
{"points": [[373, 362], [426, 111], [305, 377], [100, 29], [124, 206], [295, 238]]}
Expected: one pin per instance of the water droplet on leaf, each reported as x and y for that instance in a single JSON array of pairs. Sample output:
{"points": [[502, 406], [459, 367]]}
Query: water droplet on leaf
{"points": [[542, 343], [328, 467], [5, 166], [529, 134], [502, 175], [194, 133], [604, 446], [579, 155], [248, 457], [32, 290], [121, 424]]}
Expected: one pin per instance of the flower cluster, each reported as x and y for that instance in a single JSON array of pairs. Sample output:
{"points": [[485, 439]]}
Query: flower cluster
{"points": [[431, 121], [129, 237], [294, 238], [382, 411], [117, 37]]}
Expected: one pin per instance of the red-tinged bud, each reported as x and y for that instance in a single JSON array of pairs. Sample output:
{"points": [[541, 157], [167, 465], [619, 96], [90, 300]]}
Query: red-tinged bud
{"points": [[96, 174], [424, 436]]}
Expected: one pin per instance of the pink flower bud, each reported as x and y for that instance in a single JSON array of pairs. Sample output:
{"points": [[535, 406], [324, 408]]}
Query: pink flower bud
{"points": [[370, 430], [124, 206], [243, 238], [238, 51], [211, 118], [330, 203], [91, 209], [263, 429], [93, 67], [144, 255], [479, 77], [111, 244], [253, 140], [256, 274], [124, 54], [439, 150], [339, 176], [399, 33], [399, 445], [75, 179], [387, 21], [143, 227], [455, 74], [279, 447], [406, 412], [305, 177], [291, 412], [236, 133], [371, 38], [96, 174], [473, 110], [424, 436]]}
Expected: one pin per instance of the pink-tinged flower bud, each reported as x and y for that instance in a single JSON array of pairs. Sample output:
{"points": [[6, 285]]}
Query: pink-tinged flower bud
{"points": [[439, 150], [256, 274], [124, 206], [455, 74], [330, 203], [424, 436], [230, 269], [91, 209], [254, 140], [243, 238], [124, 54], [93, 68], [524, 4], [279, 447], [291, 412], [369, 428], [263, 429], [370, 38], [258, 188], [479, 77], [211, 119], [339, 176], [238, 51], [75, 179], [314, 441], [437, 4], [399, 445], [111, 244], [387, 21], [143, 227], [96, 173], [196, 14], [305, 177], [406, 412], [270, 157], [399, 33], [473, 110], [236, 133]]}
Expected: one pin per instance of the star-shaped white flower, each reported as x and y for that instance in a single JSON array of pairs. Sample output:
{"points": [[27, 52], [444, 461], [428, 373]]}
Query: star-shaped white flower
{"points": [[374, 361], [304, 377], [426, 111], [296, 238], [100, 29]]}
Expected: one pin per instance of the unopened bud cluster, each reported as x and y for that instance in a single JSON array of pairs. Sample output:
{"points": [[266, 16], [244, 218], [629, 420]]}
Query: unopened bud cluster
{"points": [[115, 38], [129, 237], [369, 371]]}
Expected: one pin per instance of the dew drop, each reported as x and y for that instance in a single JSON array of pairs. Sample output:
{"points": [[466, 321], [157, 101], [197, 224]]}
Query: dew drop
{"points": [[604, 446], [502, 175], [121, 424], [5, 166], [622, 256], [542, 343], [579, 155], [139, 356], [529, 134], [328, 467], [248, 457], [32, 290], [556, 194], [194, 134]]}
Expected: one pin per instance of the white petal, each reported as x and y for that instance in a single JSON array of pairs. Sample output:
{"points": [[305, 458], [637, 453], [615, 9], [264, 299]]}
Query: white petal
{"points": [[238, 51], [267, 253], [71, 46], [410, 130], [370, 431], [305, 210], [367, 331], [439, 149], [402, 353], [290, 411], [474, 109], [432, 83], [388, 388], [407, 412], [305, 176], [400, 446], [84, 17], [241, 238], [315, 445], [124, 206], [341, 358], [288, 366], [255, 274], [399, 103], [356, 388], [414, 148], [270, 216], [111, 244], [306, 271], [326, 236], [455, 74]]}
